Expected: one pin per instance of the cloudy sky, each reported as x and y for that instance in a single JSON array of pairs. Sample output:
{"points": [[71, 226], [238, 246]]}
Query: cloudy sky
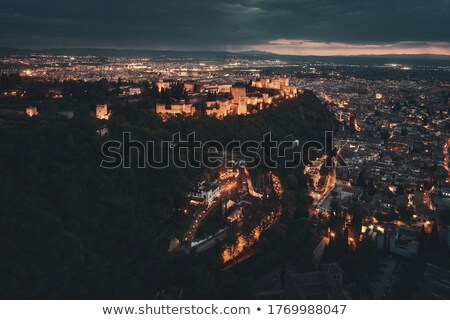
{"points": [[318, 27]]}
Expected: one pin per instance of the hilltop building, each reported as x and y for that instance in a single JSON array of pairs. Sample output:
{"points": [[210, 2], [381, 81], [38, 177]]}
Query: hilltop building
{"points": [[239, 94], [101, 112], [31, 111], [175, 108]]}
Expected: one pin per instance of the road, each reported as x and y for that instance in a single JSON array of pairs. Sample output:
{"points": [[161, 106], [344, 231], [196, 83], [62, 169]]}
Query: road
{"points": [[195, 224], [201, 214], [446, 159], [251, 190], [242, 244], [318, 197], [427, 199]]}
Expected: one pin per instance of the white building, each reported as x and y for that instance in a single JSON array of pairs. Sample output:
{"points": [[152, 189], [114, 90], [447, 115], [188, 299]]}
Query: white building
{"points": [[204, 190]]}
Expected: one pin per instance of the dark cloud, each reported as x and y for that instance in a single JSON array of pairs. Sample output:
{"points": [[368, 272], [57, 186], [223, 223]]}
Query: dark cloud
{"points": [[210, 24]]}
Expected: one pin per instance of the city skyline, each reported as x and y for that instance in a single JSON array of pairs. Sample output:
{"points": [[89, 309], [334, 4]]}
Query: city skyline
{"points": [[371, 197]]}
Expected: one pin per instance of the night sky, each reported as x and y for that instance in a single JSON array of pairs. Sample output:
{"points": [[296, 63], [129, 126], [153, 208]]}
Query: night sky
{"points": [[320, 27]]}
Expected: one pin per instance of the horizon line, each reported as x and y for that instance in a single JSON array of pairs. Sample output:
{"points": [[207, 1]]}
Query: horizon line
{"points": [[250, 51]]}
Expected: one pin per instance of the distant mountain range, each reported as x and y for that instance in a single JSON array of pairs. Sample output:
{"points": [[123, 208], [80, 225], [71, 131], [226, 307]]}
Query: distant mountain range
{"points": [[133, 52], [210, 54]]}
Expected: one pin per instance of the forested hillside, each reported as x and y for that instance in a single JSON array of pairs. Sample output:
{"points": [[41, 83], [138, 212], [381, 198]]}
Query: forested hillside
{"points": [[70, 229]]}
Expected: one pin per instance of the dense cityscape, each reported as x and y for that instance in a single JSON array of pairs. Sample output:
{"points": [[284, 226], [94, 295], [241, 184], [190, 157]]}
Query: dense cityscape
{"points": [[373, 225]]}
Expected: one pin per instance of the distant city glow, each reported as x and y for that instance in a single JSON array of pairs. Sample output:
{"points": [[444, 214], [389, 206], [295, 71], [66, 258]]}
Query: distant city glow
{"points": [[309, 47]]}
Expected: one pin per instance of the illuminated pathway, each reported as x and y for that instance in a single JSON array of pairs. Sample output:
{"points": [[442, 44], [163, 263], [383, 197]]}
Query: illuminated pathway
{"points": [[251, 190], [200, 215], [319, 197], [446, 159], [427, 199], [242, 243]]}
